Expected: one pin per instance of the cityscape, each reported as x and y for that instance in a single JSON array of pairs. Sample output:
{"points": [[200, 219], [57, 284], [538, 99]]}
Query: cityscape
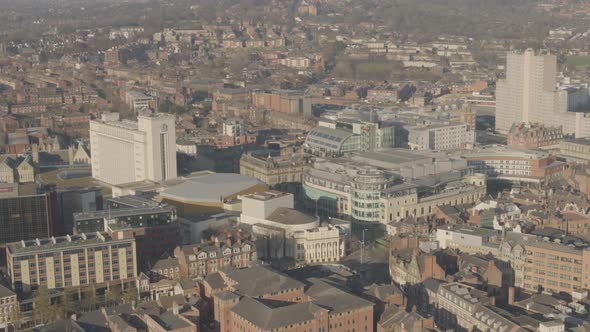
{"points": [[294, 165]]}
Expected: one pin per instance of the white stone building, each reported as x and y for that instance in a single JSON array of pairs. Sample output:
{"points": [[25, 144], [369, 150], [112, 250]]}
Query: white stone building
{"points": [[282, 231], [125, 151]]}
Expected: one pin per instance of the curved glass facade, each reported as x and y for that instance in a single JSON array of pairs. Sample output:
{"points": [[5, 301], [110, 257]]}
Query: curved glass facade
{"points": [[366, 194]]}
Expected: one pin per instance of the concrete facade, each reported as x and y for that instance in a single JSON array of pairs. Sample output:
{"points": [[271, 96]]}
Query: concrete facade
{"points": [[127, 151]]}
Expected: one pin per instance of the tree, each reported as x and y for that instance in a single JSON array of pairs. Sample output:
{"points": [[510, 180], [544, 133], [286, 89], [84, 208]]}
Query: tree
{"points": [[43, 310], [129, 294], [67, 305], [89, 300], [113, 295]]}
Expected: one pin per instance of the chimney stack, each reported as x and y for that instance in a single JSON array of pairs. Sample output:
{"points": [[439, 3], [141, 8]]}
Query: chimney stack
{"points": [[511, 295], [175, 308]]}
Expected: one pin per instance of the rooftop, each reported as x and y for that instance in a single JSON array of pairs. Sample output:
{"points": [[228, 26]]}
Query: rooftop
{"points": [[210, 187], [260, 280], [559, 247], [170, 321], [463, 229], [288, 216], [268, 319], [6, 292], [582, 141], [334, 299], [507, 151], [59, 243], [116, 213], [266, 195]]}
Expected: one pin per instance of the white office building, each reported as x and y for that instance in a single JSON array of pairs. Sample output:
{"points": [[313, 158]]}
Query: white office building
{"points": [[441, 136], [530, 94], [234, 128], [125, 151]]}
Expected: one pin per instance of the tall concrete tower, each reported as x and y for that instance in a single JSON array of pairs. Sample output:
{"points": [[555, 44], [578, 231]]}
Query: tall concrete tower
{"points": [[128, 151], [529, 92]]}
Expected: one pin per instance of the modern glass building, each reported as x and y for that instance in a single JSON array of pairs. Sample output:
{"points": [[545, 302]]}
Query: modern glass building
{"points": [[27, 217]]}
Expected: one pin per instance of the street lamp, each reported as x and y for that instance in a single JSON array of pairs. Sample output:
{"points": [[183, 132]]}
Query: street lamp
{"points": [[363, 246]]}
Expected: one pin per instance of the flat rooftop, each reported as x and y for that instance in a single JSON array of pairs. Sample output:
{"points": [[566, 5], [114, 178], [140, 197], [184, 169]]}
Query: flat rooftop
{"points": [[117, 213], [396, 156], [58, 243], [582, 141], [506, 151], [288, 216], [266, 195], [463, 229]]}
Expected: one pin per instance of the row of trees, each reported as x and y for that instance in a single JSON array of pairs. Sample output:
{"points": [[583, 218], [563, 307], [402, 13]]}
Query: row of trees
{"points": [[47, 309]]}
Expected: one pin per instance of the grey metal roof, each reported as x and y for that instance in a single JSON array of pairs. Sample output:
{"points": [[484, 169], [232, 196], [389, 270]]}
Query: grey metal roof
{"points": [[210, 187]]}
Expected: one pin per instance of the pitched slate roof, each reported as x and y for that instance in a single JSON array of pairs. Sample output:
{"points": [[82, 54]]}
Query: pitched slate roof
{"points": [[267, 318], [334, 299]]}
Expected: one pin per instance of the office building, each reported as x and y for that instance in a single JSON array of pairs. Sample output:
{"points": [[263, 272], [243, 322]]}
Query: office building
{"points": [[126, 151], [76, 200], [515, 164], [575, 149], [529, 94], [27, 217], [155, 228], [282, 101], [233, 128], [557, 267], [71, 261], [138, 101], [442, 136]]}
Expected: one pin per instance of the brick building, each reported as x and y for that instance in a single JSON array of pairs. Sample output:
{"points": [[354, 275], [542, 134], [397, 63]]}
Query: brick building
{"points": [[282, 101], [555, 267], [516, 164], [532, 136], [203, 259], [244, 303]]}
